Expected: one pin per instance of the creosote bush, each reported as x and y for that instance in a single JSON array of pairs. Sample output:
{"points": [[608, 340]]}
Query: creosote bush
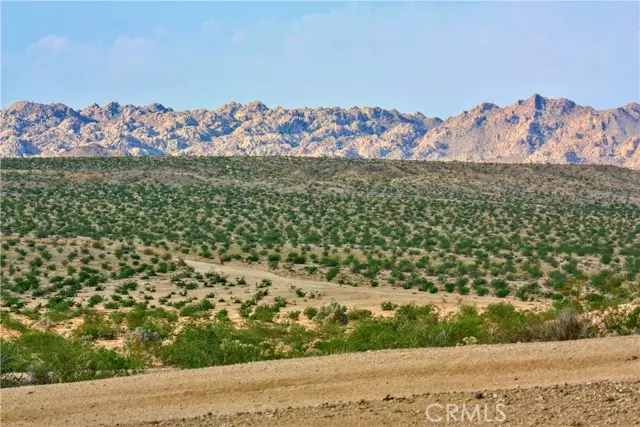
{"points": [[46, 357], [94, 239], [411, 326]]}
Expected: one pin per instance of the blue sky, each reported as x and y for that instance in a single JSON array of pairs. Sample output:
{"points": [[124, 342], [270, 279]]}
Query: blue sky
{"points": [[438, 58]]}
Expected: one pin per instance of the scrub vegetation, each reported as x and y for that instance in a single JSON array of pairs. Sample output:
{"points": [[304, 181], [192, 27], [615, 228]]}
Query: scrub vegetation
{"points": [[98, 256]]}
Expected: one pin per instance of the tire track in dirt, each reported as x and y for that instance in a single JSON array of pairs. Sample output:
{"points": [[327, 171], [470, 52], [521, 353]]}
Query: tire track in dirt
{"points": [[274, 385], [366, 297]]}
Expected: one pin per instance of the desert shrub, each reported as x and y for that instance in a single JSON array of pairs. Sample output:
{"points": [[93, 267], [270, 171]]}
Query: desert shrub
{"points": [[93, 300], [616, 320], [596, 301], [10, 323], [142, 336], [264, 283], [481, 291], [294, 315], [296, 258], [216, 278], [504, 323], [415, 327], [333, 313], [375, 230], [502, 292], [426, 286], [632, 322], [222, 315], [453, 329], [111, 305], [332, 273], [50, 358], [245, 309], [413, 312], [368, 335], [566, 324], [212, 344], [198, 309], [310, 312], [126, 287], [388, 306], [359, 314], [96, 326], [157, 321], [264, 313], [420, 326]]}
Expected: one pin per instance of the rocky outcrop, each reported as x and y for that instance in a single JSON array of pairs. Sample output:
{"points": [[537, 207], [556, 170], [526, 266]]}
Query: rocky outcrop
{"points": [[538, 130], [533, 130]]}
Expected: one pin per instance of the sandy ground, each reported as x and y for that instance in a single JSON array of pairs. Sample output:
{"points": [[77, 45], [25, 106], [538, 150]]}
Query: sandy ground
{"points": [[603, 403], [578, 383], [361, 297]]}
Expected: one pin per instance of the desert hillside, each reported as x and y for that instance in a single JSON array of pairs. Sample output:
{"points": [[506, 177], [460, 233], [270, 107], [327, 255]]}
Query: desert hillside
{"points": [[536, 130], [442, 279]]}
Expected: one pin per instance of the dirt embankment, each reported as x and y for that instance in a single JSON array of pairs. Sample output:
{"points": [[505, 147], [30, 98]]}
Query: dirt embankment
{"points": [[588, 382]]}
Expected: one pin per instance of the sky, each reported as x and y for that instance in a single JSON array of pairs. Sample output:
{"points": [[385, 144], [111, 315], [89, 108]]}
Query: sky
{"points": [[439, 58]]}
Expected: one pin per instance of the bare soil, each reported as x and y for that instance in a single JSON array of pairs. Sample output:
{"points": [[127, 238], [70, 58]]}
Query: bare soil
{"points": [[572, 383], [361, 297]]}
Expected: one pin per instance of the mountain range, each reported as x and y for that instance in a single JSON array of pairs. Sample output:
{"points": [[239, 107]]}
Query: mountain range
{"points": [[535, 130]]}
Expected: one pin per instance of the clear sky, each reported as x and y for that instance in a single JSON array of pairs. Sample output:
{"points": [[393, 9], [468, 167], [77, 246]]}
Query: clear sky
{"points": [[439, 58]]}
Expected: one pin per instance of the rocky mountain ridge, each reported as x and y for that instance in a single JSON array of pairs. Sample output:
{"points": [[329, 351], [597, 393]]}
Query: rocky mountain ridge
{"points": [[538, 129]]}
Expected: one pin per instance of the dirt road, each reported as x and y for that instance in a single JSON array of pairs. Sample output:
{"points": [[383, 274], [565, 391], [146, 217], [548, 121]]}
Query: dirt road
{"points": [[363, 297], [351, 389]]}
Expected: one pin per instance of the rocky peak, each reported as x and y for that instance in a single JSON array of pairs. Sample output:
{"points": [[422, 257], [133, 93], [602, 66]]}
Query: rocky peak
{"points": [[632, 107], [485, 107], [228, 110], [538, 129], [563, 105], [110, 111], [22, 107], [255, 107], [157, 108], [35, 112], [537, 102]]}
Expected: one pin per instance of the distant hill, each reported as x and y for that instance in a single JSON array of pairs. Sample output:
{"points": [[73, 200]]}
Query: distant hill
{"points": [[536, 130]]}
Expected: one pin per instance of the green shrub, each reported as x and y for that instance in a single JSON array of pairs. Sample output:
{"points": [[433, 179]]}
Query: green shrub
{"points": [[124, 288], [263, 313], [332, 273], [50, 358], [294, 315], [198, 309], [359, 314], [10, 323], [158, 321], [565, 325], [481, 291], [197, 346], [222, 315], [310, 312], [632, 322], [93, 300], [96, 326], [502, 292], [333, 313], [388, 306], [413, 312]]}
